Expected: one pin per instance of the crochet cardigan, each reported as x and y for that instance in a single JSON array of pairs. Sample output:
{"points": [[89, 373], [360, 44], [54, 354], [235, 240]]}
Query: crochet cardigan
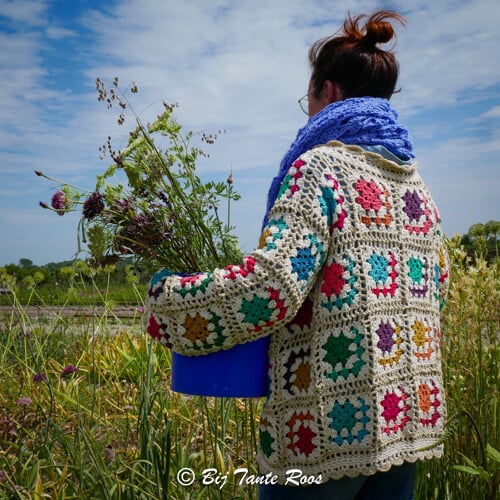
{"points": [[348, 280]]}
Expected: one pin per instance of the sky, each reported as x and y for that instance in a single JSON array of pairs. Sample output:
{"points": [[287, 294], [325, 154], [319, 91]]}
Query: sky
{"points": [[239, 66]]}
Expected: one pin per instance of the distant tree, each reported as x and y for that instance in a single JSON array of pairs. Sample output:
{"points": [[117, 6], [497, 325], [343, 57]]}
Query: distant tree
{"points": [[17, 271], [25, 263], [482, 240], [476, 231], [492, 229]]}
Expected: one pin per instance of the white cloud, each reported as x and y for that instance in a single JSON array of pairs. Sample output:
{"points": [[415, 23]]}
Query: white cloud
{"points": [[463, 175], [58, 33], [447, 49], [27, 12], [494, 112]]}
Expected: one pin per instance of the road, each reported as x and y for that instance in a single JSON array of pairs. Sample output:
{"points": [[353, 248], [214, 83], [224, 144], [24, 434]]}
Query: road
{"points": [[132, 311]]}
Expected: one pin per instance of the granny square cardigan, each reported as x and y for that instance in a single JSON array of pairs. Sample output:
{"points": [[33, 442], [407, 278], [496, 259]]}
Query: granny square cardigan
{"points": [[348, 280]]}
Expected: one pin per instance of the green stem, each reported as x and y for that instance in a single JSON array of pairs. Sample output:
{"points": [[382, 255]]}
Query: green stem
{"points": [[39, 173], [200, 227]]}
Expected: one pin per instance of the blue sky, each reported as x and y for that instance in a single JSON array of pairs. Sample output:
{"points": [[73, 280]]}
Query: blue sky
{"points": [[233, 65]]}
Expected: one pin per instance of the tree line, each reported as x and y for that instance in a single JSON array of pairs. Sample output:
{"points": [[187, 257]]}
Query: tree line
{"points": [[26, 275], [481, 240]]}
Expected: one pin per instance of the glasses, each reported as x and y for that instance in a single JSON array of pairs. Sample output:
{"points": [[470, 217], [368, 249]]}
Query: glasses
{"points": [[304, 104]]}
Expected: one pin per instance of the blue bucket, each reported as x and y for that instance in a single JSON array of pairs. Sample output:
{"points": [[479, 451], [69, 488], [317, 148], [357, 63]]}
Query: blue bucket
{"points": [[239, 372]]}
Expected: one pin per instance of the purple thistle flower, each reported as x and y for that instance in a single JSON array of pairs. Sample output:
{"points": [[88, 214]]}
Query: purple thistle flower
{"points": [[39, 377], [69, 370], [60, 202], [24, 401], [93, 206]]}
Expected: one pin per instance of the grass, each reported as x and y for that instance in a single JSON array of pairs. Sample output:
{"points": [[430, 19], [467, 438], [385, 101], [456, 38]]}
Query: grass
{"points": [[86, 410], [78, 294], [470, 467]]}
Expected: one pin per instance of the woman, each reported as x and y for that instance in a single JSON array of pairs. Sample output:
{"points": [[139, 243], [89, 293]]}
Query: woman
{"points": [[348, 281]]}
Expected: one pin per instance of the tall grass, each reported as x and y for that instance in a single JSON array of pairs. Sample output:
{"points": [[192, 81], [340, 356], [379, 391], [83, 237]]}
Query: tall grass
{"points": [[86, 410], [470, 467]]}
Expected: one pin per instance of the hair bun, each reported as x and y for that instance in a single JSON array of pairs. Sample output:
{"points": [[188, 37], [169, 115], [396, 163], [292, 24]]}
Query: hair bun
{"points": [[377, 29], [352, 59], [378, 32]]}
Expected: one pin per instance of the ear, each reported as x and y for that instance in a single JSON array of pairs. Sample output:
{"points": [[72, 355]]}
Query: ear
{"points": [[332, 92]]}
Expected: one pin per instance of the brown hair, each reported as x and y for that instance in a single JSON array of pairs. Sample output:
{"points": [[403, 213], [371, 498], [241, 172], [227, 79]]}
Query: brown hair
{"points": [[352, 59]]}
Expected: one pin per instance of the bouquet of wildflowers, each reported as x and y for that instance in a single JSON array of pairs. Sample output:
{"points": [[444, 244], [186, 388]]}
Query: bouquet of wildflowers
{"points": [[149, 203]]}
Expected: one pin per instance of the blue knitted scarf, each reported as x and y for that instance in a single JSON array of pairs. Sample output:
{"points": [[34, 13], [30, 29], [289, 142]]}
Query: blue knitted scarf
{"points": [[363, 121]]}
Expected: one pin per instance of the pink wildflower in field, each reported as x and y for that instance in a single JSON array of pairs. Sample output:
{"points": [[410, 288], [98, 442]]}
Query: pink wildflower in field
{"points": [[69, 370], [39, 377], [24, 401]]}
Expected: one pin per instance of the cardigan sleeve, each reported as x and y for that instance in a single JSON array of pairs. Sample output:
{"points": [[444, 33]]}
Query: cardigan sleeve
{"points": [[211, 311]]}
